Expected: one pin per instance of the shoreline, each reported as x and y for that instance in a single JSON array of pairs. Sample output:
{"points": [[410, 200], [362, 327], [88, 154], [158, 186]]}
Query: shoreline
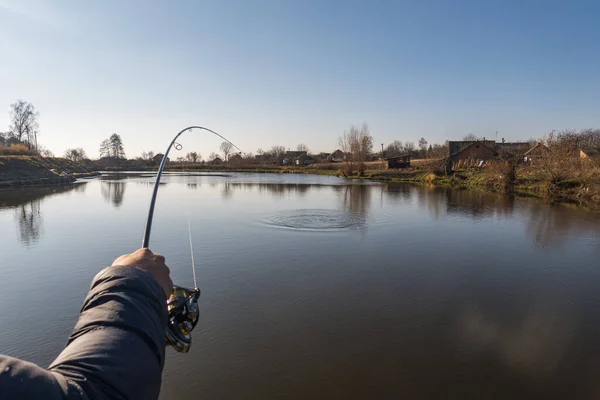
{"points": [[16, 172]]}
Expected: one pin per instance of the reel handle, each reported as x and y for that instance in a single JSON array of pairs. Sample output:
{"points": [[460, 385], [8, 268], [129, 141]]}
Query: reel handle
{"points": [[182, 307]]}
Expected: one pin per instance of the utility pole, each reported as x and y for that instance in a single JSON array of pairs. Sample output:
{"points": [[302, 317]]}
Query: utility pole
{"points": [[382, 151]]}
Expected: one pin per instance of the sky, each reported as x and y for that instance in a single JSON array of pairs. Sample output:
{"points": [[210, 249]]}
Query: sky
{"points": [[280, 72]]}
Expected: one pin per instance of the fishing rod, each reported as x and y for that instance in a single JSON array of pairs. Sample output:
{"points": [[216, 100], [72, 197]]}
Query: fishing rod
{"points": [[182, 304]]}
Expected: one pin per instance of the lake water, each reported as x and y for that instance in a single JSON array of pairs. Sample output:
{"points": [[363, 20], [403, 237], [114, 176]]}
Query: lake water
{"points": [[316, 287]]}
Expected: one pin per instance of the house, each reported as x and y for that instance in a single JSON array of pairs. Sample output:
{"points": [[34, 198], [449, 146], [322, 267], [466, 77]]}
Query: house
{"points": [[589, 154], [401, 161], [517, 148], [289, 157], [158, 158], [304, 159], [235, 159], [477, 150], [217, 161], [537, 151], [336, 156]]}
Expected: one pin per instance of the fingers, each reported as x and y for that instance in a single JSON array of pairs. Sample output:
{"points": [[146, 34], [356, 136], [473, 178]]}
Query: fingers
{"points": [[159, 258]]}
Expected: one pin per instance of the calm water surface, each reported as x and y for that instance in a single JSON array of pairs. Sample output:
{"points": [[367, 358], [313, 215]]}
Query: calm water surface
{"points": [[316, 288]]}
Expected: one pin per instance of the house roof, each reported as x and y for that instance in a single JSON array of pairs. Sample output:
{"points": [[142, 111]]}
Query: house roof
{"points": [[590, 152], [539, 145], [337, 152], [400, 156], [294, 154], [456, 147], [517, 147]]}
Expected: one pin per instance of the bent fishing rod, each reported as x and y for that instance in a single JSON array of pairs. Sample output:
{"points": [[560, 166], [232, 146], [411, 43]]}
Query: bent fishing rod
{"points": [[182, 304]]}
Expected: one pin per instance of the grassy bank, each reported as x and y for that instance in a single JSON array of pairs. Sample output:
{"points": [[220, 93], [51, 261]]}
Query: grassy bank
{"points": [[36, 170], [582, 189]]}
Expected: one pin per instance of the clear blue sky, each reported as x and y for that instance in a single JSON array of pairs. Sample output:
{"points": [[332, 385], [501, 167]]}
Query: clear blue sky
{"points": [[275, 72]]}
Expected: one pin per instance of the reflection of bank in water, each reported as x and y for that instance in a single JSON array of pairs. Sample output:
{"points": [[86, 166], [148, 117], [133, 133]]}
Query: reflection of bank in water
{"points": [[27, 207]]}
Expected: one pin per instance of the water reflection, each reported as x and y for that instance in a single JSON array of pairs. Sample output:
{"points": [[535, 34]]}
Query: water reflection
{"points": [[276, 189], [27, 205], [356, 199], [29, 221], [113, 192], [551, 225]]}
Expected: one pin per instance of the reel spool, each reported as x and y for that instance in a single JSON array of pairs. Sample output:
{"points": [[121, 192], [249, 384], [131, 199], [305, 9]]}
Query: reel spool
{"points": [[182, 307]]}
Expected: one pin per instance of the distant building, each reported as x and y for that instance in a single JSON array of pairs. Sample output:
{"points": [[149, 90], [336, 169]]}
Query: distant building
{"points": [[304, 159], [289, 157], [217, 161], [235, 159], [401, 161], [477, 150], [537, 151], [518, 148], [158, 158], [337, 156]]}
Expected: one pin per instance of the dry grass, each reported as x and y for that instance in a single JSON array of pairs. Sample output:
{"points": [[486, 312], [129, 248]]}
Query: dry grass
{"points": [[17, 150]]}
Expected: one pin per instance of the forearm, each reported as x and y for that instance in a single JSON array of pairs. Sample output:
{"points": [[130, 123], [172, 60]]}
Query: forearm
{"points": [[117, 348]]}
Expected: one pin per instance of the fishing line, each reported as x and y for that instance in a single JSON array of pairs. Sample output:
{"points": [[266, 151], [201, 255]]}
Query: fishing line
{"points": [[192, 255]]}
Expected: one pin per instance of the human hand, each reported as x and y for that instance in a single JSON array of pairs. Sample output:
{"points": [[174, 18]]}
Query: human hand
{"points": [[150, 262]]}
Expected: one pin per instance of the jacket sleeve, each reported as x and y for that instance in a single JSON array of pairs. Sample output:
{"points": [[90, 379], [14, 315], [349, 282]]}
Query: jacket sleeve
{"points": [[116, 350]]}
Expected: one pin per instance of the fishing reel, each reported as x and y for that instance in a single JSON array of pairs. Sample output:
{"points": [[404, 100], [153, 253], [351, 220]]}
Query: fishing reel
{"points": [[182, 307]]}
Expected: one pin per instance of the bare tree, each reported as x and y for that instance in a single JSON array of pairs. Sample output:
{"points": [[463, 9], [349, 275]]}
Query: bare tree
{"points": [[226, 148], [470, 137], [423, 147], [44, 152], [76, 155], [260, 152], [24, 123], [439, 150], [116, 146], [394, 149], [212, 156], [409, 147], [357, 143], [278, 152], [112, 147], [192, 156], [147, 155], [105, 148], [302, 147]]}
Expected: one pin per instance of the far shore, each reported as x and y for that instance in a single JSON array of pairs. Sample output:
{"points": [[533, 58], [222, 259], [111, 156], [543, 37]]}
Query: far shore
{"points": [[30, 170]]}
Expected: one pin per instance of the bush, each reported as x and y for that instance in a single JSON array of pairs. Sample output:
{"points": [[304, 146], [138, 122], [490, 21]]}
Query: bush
{"points": [[17, 150]]}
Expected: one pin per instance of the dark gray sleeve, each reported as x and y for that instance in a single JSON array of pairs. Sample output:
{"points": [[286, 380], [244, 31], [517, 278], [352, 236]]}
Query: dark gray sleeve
{"points": [[116, 351]]}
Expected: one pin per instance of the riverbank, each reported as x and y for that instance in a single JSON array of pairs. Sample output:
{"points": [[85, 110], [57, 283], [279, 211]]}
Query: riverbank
{"points": [[16, 171], [580, 186], [583, 189]]}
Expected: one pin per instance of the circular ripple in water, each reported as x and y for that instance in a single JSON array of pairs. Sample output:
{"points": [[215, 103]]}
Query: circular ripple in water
{"points": [[316, 219]]}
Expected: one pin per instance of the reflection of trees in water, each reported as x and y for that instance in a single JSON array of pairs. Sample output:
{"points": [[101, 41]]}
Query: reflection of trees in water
{"points": [[357, 199], [400, 191], [79, 187], [551, 225], [277, 189], [27, 207], [478, 204], [113, 192], [29, 219]]}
